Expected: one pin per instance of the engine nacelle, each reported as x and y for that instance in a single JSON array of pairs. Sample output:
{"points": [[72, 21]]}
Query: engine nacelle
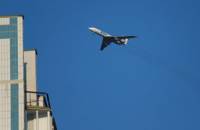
{"points": [[126, 41]]}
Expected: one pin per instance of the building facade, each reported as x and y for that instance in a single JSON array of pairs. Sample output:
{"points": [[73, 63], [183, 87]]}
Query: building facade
{"points": [[21, 106]]}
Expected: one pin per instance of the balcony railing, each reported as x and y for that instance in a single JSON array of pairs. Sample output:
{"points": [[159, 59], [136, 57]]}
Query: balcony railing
{"points": [[37, 99]]}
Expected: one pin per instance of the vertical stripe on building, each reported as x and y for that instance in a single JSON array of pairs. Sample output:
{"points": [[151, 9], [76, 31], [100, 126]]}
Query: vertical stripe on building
{"points": [[14, 107], [14, 50]]}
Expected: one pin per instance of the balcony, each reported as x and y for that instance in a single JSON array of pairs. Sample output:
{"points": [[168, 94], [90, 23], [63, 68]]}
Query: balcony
{"points": [[39, 114], [37, 100]]}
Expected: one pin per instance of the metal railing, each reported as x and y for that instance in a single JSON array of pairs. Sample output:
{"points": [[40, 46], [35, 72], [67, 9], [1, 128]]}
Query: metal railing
{"points": [[37, 99]]}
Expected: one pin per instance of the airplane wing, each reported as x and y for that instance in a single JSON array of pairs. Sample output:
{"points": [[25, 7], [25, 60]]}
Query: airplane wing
{"points": [[127, 37], [105, 42]]}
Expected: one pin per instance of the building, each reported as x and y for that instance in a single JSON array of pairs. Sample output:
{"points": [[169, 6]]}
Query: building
{"points": [[22, 107]]}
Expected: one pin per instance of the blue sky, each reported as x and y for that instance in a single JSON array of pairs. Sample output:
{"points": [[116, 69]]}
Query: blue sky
{"points": [[150, 84]]}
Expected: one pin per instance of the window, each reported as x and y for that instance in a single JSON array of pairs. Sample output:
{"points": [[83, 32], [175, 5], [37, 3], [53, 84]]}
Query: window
{"points": [[4, 21]]}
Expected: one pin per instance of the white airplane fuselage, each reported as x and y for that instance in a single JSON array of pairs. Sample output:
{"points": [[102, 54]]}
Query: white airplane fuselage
{"points": [[99, 32]]}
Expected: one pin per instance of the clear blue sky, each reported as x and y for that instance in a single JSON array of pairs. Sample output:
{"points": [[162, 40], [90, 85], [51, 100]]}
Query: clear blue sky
{"points": [[150, 84]]}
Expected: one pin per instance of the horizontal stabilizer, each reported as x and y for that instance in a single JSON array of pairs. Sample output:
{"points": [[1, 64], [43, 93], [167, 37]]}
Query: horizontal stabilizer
{"points": [[126, 37]]}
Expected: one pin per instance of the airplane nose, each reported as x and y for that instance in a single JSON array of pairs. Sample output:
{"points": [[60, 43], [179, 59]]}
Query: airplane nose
{"points": [[91, 28]]}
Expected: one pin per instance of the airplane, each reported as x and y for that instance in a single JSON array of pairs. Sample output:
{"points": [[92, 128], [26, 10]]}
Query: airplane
{"points": [[107, 38]]}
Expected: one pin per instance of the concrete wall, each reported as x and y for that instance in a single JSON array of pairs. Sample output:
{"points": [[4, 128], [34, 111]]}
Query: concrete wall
{"points": [[30, 63], [42, 121]]}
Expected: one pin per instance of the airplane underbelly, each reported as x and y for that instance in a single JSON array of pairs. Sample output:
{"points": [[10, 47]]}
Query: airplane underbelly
{"points": [[118, 43]]}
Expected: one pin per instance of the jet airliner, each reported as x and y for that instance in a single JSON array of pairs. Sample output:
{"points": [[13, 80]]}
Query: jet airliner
{"points": [[107, 38]]}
